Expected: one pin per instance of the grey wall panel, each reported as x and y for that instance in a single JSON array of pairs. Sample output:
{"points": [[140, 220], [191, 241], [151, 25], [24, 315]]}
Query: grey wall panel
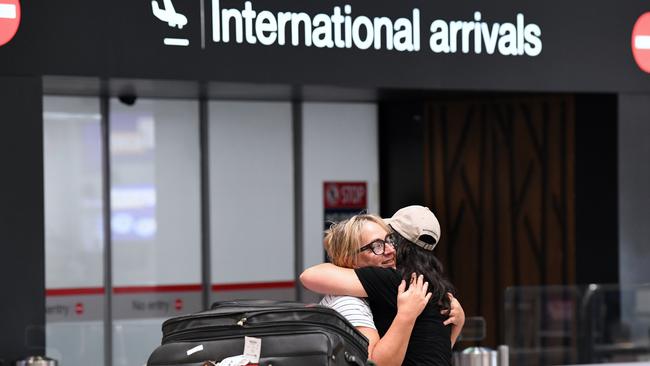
{"points": [[634, 183], [22, 268]]}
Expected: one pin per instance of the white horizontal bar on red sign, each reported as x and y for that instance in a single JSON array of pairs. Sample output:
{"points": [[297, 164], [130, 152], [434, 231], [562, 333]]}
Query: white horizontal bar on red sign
{"points": [[642, 42], [8, 11]]}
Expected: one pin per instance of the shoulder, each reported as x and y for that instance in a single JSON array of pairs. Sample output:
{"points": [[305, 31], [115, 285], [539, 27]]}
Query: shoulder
{"points": [[354, 309], [379, 283], [334, 301]]}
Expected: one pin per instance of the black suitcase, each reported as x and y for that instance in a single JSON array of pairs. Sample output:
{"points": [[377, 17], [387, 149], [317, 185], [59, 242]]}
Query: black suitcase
{"points": [[292, 334]]}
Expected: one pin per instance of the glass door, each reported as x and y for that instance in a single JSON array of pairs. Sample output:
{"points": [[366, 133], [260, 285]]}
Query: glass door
{"points": [[155, 219]]}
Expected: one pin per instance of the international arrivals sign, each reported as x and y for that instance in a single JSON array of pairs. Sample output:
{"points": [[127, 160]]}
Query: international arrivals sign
{"points": [[342, 28], [460, 45]]}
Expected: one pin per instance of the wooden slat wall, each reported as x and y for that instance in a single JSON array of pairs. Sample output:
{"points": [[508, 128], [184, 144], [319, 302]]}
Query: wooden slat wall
{"points": [[499, 174]]}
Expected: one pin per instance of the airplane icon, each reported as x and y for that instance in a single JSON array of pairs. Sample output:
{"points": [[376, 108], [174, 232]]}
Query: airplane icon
{"points": [[168, 14]]}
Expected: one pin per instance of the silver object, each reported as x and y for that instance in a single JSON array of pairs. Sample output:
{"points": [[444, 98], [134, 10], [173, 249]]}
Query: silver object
{"points": [[503, 355], [36, 361], [476, 356]]}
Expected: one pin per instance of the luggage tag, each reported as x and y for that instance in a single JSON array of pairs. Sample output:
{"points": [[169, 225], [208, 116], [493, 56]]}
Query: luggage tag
{"points": [[252, 348], [251, 356]]}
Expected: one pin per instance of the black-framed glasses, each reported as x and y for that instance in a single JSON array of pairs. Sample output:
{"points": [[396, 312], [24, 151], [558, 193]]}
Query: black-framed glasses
{"points": [[378, 247]]}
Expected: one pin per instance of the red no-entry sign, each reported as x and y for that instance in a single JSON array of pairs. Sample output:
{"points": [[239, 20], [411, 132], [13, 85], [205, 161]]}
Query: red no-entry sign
{"points": [[641, 42], [79, 308], [9, 20]]}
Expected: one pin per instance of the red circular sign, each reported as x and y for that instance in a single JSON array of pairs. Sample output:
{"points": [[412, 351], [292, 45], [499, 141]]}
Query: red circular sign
{"points": [[178, 304], [79, 308], [9, 19], [641, 42]]}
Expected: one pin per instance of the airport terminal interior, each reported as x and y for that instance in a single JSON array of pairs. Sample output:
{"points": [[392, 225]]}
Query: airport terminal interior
{"points": [[197, 153]]}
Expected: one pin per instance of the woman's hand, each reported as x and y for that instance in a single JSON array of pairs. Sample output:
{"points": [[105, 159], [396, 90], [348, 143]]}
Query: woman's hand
{"points": [[411, 302], [456, 313], [456, 318]]}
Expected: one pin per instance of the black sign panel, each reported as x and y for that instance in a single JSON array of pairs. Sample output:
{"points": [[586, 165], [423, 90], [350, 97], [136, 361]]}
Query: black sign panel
{"points": [[461, 45]]}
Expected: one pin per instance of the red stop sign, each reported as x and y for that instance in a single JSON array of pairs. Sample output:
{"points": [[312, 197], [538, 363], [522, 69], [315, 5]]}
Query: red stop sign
{"points": [[9, 20], [641, 42]]}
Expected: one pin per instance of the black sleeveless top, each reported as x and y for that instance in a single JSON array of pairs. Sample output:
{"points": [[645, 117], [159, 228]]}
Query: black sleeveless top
{"points": [[430, 342]]}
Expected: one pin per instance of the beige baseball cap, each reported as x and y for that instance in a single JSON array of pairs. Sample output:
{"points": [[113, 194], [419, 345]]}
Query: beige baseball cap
{"points": [[412, 222]]}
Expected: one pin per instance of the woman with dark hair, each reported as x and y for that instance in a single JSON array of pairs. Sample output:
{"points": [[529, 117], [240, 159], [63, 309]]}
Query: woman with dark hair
{"points": [[415, 233], [414, 259]]}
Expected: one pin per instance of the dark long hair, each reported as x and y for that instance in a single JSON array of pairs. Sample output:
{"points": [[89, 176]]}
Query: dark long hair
{"points": [[411, 258]]}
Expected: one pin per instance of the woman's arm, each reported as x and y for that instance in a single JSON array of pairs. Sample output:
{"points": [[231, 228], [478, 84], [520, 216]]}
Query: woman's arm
{"points": [[390, 350], [326, 278], [373, 338]]}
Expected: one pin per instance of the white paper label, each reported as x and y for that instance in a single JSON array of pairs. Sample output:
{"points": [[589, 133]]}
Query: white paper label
{"points": [[195, 349], [252, 348]]}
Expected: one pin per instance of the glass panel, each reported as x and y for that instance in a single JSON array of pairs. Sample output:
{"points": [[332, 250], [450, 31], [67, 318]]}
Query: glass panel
{"points": [[73, 230], [616, 323], [155, 213], [577, 324], [251, 206]]}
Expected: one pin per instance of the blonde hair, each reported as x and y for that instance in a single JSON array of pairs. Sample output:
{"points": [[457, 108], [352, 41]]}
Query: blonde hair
{"points": [[342, 239]]}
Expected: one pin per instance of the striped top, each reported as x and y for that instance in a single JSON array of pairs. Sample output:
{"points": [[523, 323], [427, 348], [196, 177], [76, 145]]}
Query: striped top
{"points": [[354, 309]]}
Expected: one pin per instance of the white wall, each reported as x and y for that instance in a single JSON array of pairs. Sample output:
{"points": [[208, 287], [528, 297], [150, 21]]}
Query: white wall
{"points": [[339, 144], [251, 198]]}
